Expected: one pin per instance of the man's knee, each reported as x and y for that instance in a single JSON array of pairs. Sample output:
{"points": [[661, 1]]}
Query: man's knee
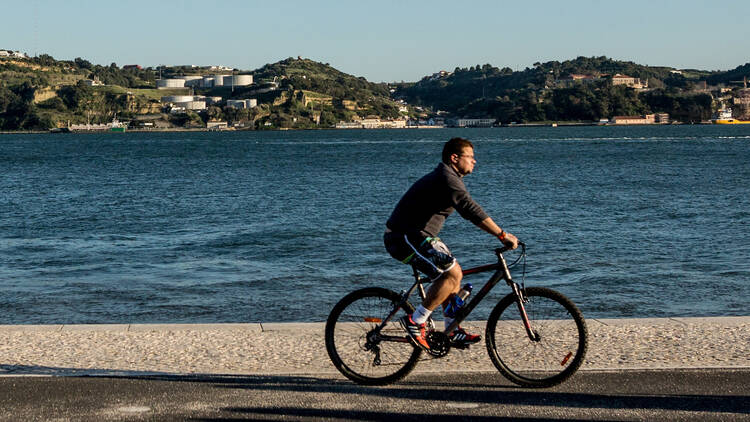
{"points": [[455, 274]]}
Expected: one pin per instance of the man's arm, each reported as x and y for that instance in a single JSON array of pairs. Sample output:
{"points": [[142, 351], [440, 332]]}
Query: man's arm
{"points": [[490, 227]]}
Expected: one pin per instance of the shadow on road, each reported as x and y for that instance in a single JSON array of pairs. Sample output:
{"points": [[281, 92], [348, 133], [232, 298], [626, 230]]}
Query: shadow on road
{"points": [[648, 390]]}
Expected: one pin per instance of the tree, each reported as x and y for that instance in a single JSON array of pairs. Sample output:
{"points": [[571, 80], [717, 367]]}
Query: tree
{"points": [[76, 97], [82, 64]]}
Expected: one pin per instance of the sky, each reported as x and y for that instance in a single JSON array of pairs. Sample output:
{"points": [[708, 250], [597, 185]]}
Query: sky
{"points": [[383, 41]]}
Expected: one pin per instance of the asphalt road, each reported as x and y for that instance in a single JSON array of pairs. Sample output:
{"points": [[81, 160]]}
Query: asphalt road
{"points": [[629, 395]]}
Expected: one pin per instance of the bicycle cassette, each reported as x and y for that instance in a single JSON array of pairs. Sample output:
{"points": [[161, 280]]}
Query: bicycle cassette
{"points": [[439, 343]]}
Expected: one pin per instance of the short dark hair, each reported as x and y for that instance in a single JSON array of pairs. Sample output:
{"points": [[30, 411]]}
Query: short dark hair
{"points": [[455, 146]]}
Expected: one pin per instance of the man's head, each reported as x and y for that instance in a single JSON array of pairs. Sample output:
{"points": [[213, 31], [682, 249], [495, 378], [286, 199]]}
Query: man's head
{"points": [[459, 154]]}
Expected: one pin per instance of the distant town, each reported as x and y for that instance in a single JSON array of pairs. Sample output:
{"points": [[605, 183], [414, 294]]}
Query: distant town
{"points": [[41, 93]]}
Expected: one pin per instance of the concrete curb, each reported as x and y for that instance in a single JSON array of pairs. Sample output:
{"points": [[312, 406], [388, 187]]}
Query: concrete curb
{"points": [[297, 326]]}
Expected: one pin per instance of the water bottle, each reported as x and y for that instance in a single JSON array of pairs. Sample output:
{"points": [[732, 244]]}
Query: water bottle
{"points": [[457, 301]]}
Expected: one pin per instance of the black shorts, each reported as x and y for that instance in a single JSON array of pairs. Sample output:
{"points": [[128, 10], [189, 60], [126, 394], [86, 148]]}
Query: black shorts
{"points": [[428, 254]]}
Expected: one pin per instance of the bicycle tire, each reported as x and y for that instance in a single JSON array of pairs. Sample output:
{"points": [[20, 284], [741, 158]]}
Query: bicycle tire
{"points": [[348, 324], [561, 346]]}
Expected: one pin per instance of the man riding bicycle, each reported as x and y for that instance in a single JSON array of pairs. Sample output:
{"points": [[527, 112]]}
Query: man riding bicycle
{"points": [[411, 235]]}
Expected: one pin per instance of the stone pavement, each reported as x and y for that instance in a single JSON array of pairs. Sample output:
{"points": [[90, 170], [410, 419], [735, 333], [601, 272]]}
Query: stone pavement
{"points": [[299, 349]]}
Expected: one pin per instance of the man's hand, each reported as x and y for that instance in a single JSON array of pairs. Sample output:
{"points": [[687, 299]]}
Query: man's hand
{"points": [[509, 240]]}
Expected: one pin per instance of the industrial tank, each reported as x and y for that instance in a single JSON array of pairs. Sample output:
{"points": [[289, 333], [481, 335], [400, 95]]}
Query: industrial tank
{"points": [[176, 98], [170, 83], [238, 80]]}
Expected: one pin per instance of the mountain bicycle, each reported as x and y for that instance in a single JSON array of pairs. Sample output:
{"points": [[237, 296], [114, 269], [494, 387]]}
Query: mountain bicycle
{"points": [[535, 336]]}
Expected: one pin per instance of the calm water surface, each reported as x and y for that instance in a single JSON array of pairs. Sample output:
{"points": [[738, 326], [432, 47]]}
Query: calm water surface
{"points": [[277, 226]]}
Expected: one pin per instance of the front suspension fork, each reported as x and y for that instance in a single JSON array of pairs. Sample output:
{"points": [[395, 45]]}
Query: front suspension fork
{"points": [[520, 300]]}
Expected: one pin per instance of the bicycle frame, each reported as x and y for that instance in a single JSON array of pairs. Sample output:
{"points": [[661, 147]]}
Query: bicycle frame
{"points": [[501, 273]]}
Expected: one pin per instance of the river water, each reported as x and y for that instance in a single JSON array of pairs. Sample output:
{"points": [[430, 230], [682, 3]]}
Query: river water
{"points": [[202, 227]]}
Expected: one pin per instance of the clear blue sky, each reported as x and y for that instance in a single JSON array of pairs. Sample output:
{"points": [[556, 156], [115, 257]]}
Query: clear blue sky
{"points": [[381, 40]]}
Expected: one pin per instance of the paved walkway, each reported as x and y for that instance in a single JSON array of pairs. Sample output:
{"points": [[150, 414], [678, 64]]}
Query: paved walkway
{"points": [[298, 348]]}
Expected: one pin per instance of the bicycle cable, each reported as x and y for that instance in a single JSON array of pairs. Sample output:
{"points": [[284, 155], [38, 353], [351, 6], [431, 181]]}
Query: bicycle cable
{"points": [[523, 268]]}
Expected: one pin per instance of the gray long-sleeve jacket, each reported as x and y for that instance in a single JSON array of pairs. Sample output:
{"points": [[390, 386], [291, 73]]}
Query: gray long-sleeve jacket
{"points": [[430, 200]]}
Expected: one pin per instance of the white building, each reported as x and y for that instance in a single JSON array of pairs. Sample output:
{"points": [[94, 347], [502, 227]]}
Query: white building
{"points": [[13, 54], [474, 122], [93, 82]]}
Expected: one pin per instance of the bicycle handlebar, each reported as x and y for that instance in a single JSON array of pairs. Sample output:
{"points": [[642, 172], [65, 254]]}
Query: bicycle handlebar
{"points": [[504, 249]]}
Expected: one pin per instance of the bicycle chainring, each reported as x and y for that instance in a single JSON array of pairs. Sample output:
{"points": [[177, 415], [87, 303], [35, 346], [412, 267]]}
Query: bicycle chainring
{"points": [[439, 343]]}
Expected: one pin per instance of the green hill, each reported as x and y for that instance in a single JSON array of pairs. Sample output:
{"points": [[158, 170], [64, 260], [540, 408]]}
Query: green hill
{"points": [[309, 90], [42, 92], [546, 92]]}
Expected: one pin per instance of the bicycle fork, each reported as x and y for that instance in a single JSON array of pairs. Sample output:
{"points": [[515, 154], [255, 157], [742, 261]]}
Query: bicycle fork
{"points": [[520, 300]]}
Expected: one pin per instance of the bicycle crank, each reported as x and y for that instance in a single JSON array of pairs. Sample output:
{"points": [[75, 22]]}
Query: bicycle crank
{"points": [[439, 343]]}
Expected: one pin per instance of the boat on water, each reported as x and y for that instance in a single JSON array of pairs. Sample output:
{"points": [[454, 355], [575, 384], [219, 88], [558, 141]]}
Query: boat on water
{"points": [[725, 118], [116, 126]]}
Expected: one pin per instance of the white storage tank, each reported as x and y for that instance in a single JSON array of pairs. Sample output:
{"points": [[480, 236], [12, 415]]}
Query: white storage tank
{"points": [[219, 80], [243, 80], [170, 83], [176, 98], [208, 82], [192, 105], [238, 80]]}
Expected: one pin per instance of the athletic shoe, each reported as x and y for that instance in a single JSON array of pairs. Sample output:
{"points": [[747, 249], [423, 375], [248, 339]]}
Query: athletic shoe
{"points": [[417, 332], [460, 338]]}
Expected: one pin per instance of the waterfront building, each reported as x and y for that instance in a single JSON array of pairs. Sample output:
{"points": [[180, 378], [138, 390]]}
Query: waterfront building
{"points": [[662, 118], [372, 122], [216, 125], [648, 119], [472, 122]]}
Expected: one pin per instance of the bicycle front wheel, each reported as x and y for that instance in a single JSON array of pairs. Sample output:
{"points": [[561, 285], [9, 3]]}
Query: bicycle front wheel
{"points": [[559, 341], [358, 349]]}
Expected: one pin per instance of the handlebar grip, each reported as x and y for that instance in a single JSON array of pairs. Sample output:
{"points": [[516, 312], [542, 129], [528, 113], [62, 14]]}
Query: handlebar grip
{"points": [[507, 248]]}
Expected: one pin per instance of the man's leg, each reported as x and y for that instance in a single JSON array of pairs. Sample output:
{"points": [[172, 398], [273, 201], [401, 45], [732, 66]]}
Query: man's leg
{"points": [[443, 288], [439, 293]]}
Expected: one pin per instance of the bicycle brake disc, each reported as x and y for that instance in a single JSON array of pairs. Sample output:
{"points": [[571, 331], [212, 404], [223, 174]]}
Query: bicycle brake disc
{"points": [[439, 343]]}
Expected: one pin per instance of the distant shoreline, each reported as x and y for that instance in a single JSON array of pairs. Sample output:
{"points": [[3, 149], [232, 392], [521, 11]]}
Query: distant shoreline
{"points": [[37, 132]]}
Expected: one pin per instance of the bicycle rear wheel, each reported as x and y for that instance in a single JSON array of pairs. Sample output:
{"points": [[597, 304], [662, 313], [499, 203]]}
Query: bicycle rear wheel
{"points": [[357, 350], [556, 353]]}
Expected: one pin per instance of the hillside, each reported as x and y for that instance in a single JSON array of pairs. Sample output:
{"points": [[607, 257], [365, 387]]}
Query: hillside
{"points": [[550, 91], [316, 92], [42, 92]]}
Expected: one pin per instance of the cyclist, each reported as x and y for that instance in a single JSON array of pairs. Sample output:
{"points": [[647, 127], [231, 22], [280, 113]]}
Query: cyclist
{"points": [[411, 235]]}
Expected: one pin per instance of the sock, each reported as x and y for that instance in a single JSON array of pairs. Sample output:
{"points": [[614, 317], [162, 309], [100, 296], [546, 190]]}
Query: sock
{"points": [[421, 314], [448, 322]]}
